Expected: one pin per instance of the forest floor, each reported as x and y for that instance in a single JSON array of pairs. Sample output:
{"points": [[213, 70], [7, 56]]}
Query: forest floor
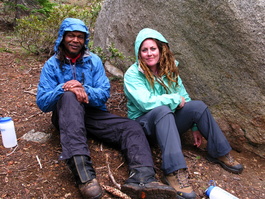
{"points": [[33, 169]]}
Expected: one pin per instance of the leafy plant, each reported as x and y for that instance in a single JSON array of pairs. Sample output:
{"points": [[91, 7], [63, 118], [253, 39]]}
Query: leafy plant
{"points": [[45, 7], [10, 10], [111, 54], [37, 33]]}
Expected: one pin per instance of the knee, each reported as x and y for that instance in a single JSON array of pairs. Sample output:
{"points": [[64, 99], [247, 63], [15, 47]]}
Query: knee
{"points": [[68, 94], [67, 100], [133, 126], [197, 104], [162, 110]]}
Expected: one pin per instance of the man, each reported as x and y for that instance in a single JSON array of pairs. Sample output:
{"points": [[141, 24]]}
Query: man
{"points": [[73, 85]]}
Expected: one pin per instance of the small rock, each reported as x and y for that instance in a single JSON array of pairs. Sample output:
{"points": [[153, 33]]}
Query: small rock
{"points": [[36, 136], [113, 70]]}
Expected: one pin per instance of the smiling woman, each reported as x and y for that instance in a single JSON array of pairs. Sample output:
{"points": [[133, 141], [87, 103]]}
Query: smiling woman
{"points": [[149, 53], [166, 111]]}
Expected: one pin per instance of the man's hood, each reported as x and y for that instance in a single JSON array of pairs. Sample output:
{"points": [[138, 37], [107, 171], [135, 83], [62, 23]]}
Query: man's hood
{"points": [[145, 34], [71, 24]]}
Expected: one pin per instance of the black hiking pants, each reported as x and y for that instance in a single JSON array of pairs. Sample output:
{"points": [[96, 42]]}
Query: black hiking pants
{"points": [[76, 121]]}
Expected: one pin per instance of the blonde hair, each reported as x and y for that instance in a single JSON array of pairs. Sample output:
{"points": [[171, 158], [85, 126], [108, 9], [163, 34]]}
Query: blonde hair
{"points": [[166, 66]]}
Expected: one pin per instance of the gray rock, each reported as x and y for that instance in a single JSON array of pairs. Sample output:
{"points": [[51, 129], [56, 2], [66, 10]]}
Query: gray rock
{"points": [[113, 70], [33, 136], [220, 46]]}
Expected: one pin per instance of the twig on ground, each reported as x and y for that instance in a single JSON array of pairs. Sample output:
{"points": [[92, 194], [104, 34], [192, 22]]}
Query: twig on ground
{"points": [[32, 116], [190, 155], [110, 174], [101, 147], [116, 192], [119, 166], [13, 150], [39, 161], [32, 92]]}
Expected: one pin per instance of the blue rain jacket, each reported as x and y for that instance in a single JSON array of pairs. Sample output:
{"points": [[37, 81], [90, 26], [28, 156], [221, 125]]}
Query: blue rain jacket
{"points": [[88, 70], [141, 96]]}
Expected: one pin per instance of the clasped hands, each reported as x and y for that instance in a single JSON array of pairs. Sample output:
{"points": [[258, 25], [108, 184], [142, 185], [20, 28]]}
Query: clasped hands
{"points": [[77, 88]]}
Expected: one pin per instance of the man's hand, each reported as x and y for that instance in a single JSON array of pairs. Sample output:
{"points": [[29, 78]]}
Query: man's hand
{"points": [[197, 138], [77, 88], [71, 84]]}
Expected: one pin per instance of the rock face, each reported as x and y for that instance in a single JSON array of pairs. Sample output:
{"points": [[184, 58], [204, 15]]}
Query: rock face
{"points": [[220, 46]]}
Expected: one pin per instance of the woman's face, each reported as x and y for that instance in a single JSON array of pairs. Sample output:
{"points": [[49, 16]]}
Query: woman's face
{"points": [[149, 53]]}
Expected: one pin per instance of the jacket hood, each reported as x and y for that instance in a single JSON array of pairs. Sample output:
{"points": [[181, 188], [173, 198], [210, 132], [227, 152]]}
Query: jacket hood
{"points": [[145, 34], [71, 24]]}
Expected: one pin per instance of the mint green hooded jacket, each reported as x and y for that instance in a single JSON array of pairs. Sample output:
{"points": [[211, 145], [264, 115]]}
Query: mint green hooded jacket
{"points": [[141, 96]]}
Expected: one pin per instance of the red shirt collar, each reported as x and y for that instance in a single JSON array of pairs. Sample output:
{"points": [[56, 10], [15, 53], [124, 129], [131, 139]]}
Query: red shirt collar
{"points": [[73, 60]]}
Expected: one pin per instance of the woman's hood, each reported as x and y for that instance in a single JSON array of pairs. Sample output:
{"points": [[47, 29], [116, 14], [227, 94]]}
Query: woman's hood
{"points": [[71, 24], [145, 34]]}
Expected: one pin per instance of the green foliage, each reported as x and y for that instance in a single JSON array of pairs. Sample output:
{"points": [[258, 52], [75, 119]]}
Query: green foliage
{"points": [[37, 33], [10, 10], [46, 7], [198, 157], [111, 54]]}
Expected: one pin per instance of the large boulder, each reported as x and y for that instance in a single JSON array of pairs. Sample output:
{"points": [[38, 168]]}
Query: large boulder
{"points": [[220, 46]]}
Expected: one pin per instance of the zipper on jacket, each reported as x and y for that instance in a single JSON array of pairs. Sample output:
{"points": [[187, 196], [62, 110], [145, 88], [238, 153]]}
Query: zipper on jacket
{"points": [[73, 68]]}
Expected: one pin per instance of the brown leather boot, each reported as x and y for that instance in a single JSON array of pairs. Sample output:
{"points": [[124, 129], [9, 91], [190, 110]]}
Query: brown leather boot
{"points": [[85, 176], [228, 163], [91, 189], [179, 181]]}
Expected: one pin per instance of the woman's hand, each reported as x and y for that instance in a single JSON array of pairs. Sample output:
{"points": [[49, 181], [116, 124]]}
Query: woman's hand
{"points": [[182, 103], [197, 138]]}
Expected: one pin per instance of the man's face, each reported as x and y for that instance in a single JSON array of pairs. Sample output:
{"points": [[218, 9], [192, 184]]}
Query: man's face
{"points": [[73, 43]]}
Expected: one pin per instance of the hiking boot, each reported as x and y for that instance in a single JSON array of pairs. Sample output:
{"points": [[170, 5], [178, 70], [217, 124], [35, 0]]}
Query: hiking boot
{"points": [[151, 190], [91, 189], [179, 181], [85, 176], [228, 163]]}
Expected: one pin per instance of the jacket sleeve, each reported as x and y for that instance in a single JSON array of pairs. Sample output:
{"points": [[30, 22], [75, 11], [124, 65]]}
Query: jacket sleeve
{"points": [[49, 90], [144, 99], [98, 89]]}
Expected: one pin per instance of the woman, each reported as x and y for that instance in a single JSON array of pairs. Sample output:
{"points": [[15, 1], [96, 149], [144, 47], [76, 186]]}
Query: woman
{"points": [[158, 100]]}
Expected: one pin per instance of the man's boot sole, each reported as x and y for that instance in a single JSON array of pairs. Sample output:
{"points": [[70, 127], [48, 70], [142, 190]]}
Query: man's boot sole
{"points": [[148, 193]]}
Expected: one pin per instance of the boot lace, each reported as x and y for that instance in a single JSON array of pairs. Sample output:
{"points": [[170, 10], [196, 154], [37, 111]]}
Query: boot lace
{"points": [[230, 158], [182, 177]]}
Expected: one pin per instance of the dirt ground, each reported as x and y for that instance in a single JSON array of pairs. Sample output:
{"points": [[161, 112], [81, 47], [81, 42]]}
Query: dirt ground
{"points": [[23, 176]]}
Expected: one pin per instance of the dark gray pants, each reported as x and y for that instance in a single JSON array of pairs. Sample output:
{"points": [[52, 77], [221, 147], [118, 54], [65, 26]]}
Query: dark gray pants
{"points": [[75, 120], [167, 126]]}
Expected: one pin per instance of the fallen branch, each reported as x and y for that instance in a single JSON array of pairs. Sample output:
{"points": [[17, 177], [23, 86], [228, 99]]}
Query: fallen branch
{"points": [[39, 161], [25, 119], [119, 166], [32, 91], [116, 192], [12, 150], [110, 173]]}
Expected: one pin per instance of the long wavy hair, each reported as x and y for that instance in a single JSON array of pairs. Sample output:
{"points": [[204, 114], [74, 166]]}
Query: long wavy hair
{"points": [[166, 66]]}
